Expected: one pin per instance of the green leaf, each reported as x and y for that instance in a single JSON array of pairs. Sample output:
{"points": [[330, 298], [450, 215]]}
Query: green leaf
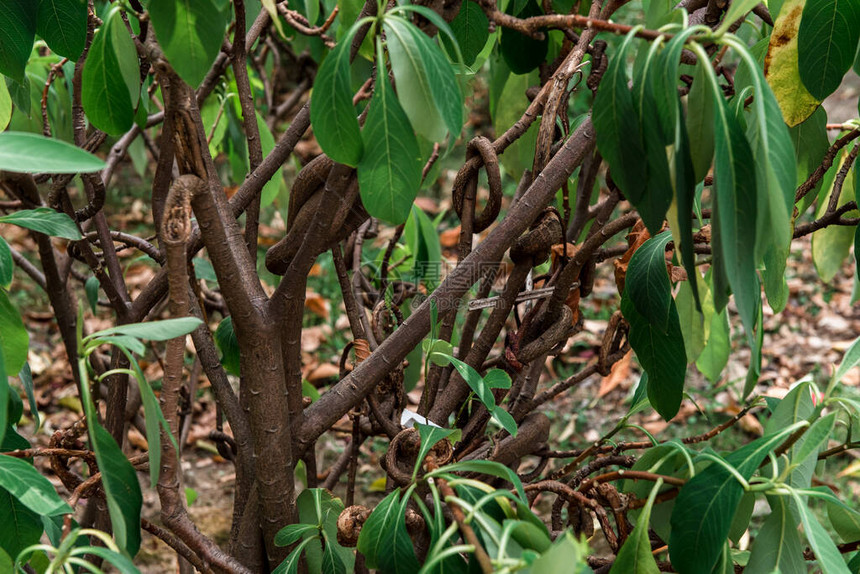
{"points": [[826, 552], [810, 144], [814, 438], [826, 43], [692, 322], [5, 394], [832, 245], [529, 535], [63, 25], [647, 86], [319, 506], [700, 120], [706, 505], [616, 127], [228, 345], [661, 354], [427, 87], [17, 32], [153, 330], [849, 361], [384, 541], [14, 339], [635, 556], [7, 264], [512, 102], [505, 420], [33, 153], [567, 554], [781, 67], [119, 561], [777, 546], [332, 560], [45, 220], [795, 406], [475, 381], [332, 113], [26, 378], [30, 488], [684, 184], [471, 29], [119, 479], [91, 287], [489, 467], [291, 564], [291, 533], [774, 164], [735, 186], [111, 77], [423, 242], [389, 173], [647, 285], [845, 521], [191, 33], [523, 53], [5, 105], [21, 526], [497, 379]]}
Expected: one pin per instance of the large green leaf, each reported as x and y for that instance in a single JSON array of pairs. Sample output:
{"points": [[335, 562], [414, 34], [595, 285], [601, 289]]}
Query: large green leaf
{"points": [[45, 220], [389, 173], [652, 104], [119, 479], [684, 184], [23, 481], [332, 113], [21, 526], [17, 31], [707, 503], [616, 127], [14, 339], [191, 33], [845, 521], [523, 53], [735, 186], [111, 78], [33, 153], [700, 121], [471, 29], [774, 163], [153, 330], [777, 546], [826, 552], [635, 556], [63, 25], [384, 541], [826, 43], [662, 355], [647, 284], [426, 85]]}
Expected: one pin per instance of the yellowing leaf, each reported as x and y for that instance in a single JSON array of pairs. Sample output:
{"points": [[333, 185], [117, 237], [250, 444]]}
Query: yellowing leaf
{"points": [[780, 66]]}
